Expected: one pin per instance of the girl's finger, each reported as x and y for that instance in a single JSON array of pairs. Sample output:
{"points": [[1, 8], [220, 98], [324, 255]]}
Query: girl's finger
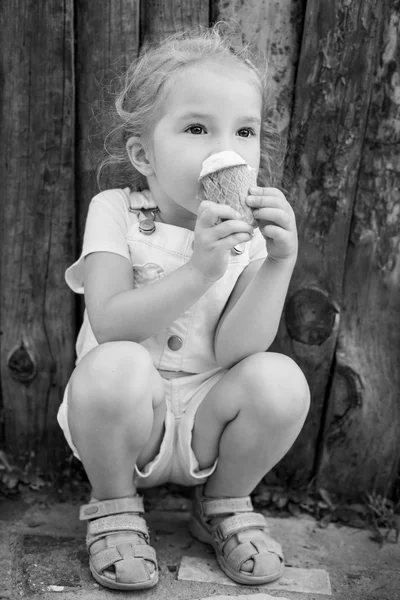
{"points": [[268, 201], [210, 213], [256, 190], [231, 227], [274, 232], [232, 240], [204, 208], [276, 216], [258, 201]]}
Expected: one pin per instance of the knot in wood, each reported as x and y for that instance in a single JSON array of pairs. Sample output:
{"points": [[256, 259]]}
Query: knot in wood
{"points": [[21, 364], [310, 316], [347, 395]]}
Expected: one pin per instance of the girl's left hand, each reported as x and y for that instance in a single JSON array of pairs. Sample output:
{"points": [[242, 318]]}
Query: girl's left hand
{"points": [[276, 220]]}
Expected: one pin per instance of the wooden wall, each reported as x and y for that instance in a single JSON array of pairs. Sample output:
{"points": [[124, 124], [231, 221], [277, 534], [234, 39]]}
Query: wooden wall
{"points": [[335, 81]]}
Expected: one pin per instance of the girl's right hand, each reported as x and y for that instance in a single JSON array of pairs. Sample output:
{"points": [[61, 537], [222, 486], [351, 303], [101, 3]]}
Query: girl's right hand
{"points": [[218, 229]]}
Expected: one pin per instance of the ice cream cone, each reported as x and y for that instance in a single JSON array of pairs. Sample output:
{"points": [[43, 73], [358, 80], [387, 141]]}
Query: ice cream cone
{"points": [[226, 179]]}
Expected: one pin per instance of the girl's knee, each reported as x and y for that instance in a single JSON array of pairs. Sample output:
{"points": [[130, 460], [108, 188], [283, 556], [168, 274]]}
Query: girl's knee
{"points": [[112, 378], [276, 388]]}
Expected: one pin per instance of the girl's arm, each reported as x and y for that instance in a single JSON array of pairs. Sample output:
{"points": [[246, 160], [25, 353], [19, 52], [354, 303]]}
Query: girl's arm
{"points": [[118, 311], [250, 321], [251, 318]]}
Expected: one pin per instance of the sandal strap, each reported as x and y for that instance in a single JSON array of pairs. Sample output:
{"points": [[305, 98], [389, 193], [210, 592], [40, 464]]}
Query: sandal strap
{"points": [[253, 545], [239, 555], [93, 510], [221, 506], [117, 523], [232, 525], [109, 556]]}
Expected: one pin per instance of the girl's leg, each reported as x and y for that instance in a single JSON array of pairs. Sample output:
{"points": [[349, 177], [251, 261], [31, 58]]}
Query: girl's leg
{"points": [[249, 419], [115, 415]]}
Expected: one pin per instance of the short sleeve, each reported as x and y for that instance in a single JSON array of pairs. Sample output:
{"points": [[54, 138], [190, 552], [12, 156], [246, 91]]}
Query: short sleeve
{"points": [[105, 229], [258, 246]]}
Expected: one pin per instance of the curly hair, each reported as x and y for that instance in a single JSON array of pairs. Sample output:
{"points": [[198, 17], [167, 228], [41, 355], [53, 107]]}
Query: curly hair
{"points": [[139, 97]]}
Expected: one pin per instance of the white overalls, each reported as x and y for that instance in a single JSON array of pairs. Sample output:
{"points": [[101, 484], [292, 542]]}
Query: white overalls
{"points": [[116, 223]]}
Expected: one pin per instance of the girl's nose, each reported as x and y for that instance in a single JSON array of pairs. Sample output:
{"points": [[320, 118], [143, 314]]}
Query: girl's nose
{"points": [[222, 144]]}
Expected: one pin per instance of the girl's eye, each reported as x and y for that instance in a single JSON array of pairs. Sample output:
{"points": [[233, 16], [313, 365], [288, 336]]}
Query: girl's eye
{"points": [[246, 132], [196, 129]]}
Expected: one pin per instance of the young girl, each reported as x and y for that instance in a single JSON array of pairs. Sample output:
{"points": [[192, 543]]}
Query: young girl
{"points": [[173, 382]]}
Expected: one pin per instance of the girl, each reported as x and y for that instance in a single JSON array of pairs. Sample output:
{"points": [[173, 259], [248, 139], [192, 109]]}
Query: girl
{"points": [[173, 381]]}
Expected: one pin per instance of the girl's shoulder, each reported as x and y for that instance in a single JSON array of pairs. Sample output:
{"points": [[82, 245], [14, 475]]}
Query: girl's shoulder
{"points": [[107, 223], [115, 199], [119, 206], [124, 199]]}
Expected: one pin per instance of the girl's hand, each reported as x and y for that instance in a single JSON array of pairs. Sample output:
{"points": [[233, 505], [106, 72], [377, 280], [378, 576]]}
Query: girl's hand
{"points": [[277, 222], [218, 229]]}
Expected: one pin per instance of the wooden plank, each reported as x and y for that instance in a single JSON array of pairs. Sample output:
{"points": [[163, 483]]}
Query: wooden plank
{"points": [[361, 452], [332, 95], [37, 215], [107, 41], [275, 28], [161, 18]]}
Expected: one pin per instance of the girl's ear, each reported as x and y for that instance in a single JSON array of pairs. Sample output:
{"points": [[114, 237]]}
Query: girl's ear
{"points": [[138, 156]]}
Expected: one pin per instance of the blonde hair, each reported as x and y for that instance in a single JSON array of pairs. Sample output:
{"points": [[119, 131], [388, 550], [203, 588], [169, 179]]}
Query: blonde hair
{"points": [[139, 98]]}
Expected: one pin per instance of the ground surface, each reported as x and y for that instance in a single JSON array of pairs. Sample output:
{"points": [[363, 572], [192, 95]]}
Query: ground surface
{"points": [[43, 556]]}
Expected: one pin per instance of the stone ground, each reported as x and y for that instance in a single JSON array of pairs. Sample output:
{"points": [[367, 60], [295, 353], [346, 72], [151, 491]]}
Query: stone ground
{"points": [[43, 557]]}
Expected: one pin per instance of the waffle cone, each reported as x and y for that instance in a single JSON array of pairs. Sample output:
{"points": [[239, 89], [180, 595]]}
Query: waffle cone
{"points": [[231, 186]]}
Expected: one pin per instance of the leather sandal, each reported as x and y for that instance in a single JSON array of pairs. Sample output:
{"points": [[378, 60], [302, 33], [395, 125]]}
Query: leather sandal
{"points": [[120, 557], [239, 537]]}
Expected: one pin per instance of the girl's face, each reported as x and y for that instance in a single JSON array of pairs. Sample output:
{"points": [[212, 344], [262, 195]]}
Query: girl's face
{"points": [[208, 108]]}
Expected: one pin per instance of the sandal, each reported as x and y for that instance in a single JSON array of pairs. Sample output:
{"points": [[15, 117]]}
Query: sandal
{"points": [[118, 542], [239, 537]]}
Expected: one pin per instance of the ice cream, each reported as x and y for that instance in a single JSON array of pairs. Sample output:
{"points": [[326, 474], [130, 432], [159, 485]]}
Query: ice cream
{"points": [[226, 179]]}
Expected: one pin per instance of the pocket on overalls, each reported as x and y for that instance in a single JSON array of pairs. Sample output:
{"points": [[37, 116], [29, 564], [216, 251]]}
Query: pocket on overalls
{"points": [[147, 273]]}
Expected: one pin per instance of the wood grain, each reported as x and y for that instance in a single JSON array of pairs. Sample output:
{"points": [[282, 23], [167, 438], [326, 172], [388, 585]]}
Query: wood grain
{"points": [[37, 204], [361, 445], [107, 41], [161, 18], [332, 95], [334, 77]]}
